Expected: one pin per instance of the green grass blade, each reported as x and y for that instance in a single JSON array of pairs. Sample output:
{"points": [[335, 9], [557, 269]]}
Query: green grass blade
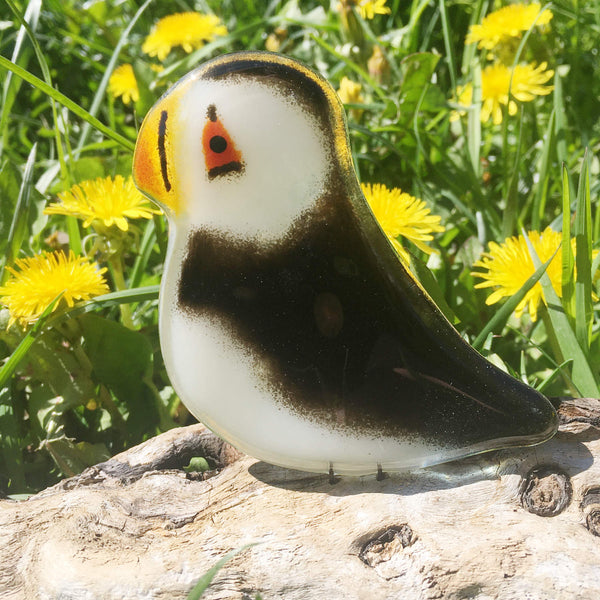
{"points": [[474, 123], [100, 92], [541, 192], [19, 224], [129, 296], [143, 255], [560, 367], [448, 44], [561, 130], [74, 233], [67, 102], [11, 85], [351, 65], [21, 350], [509, 217], [206, 579], [500, 318], [139, 294], [582, 375], [583, 258], [372, 133], [470, 56], [429, 282], [568, 275], [540, 387]]}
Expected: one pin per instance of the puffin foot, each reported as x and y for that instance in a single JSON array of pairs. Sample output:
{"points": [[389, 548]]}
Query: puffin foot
{"points": [[332, 479]]}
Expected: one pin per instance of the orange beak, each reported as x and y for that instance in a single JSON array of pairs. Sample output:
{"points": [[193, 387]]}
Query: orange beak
{"points": [[154, 171]]}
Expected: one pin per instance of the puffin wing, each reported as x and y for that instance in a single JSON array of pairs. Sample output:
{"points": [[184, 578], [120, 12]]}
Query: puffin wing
{"points": [[456, 394]]}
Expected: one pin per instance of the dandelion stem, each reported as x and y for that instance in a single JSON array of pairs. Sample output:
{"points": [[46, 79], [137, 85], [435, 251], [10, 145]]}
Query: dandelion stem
{"points": [[116, 269]]}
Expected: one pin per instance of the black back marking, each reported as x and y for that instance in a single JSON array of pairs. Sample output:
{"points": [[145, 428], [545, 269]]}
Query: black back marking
{"points": [[342, 348]]}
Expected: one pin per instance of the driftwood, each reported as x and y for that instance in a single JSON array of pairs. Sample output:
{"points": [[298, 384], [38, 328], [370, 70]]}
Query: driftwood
{"points": [[510, 524]]}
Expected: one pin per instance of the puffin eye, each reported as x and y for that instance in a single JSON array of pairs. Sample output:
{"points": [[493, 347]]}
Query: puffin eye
{"points": [[218, 144], [220, 153]]}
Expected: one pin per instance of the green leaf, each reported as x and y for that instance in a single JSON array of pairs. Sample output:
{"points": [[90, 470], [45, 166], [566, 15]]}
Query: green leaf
{"points": [[417, 70], [121, 358], [197, 464], [122, 361], [46, 411], [63, 368], [89, 167], [582, 375], [73, 457]]}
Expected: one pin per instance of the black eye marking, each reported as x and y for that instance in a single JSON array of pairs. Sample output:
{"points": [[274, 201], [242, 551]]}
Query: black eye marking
{"points": [[211, 113], [218, 144], [231, 167], [162, 153]]}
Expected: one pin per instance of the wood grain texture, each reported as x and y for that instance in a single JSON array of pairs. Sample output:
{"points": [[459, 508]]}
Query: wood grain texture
{"points": [[138, 526]]}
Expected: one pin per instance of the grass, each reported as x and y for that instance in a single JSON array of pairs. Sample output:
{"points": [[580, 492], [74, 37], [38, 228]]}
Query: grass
{"points": [[64, 403]]}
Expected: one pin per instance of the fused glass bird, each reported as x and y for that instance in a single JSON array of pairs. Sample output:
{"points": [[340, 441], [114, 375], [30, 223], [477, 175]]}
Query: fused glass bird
{"points": [[288, 325]]}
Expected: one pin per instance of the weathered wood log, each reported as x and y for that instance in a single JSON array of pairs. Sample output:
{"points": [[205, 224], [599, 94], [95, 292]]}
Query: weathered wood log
{"points": [[509, 524]]}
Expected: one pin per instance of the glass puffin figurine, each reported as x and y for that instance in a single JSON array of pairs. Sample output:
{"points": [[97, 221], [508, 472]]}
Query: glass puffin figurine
{"points": [[288, 325]]}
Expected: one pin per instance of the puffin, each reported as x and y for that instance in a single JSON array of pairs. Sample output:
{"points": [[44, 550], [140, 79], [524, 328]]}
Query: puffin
{"points": [[288, 325]]}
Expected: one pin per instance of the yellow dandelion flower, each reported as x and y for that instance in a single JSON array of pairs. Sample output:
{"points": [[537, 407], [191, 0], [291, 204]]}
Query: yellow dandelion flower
{"points": [[349, 91], [508, 22], [122, 83], [507, 266], [110, 201], [369, 8], [498, 89], [190, 30], [402, 215], [40, 279]]}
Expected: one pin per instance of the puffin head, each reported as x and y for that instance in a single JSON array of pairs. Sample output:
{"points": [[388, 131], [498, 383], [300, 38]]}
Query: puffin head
{"points": [[243, 146]]}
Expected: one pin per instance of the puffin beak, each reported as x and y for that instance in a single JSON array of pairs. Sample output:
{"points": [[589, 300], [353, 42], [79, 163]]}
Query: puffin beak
{"points": [[154, 173]]}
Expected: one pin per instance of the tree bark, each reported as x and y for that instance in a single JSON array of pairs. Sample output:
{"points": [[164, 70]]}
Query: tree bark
{"points": [[509, 524]]}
